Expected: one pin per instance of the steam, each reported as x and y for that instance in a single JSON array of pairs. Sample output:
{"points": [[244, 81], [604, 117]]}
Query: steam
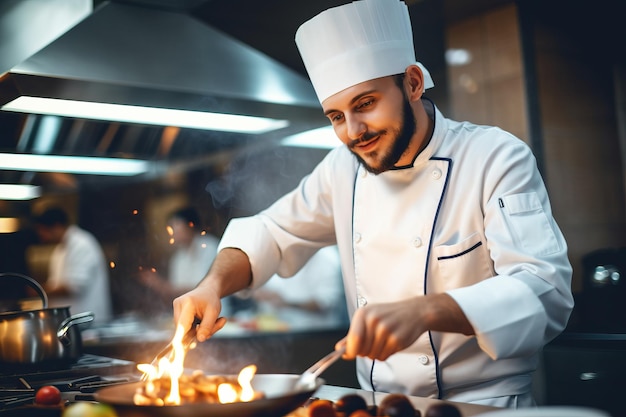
{"points": [[221, 192], [254, 180]]}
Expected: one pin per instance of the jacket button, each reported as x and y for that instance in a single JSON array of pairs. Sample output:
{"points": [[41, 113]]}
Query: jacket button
{"points": [[357, 237], [361, 301], [417, 242], [423, 359], [436, 174]]}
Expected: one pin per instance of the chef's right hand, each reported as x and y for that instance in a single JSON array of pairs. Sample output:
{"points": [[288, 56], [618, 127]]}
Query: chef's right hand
{"points": [[203, 303], [229, 273]]}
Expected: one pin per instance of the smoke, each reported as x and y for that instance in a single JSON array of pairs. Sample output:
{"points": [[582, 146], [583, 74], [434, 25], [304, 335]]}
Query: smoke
{"points": [[228, 355], [255, 179], [221, 192]]}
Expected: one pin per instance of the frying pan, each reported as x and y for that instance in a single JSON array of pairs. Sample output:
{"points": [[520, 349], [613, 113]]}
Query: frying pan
{"points": [[280, 398]]}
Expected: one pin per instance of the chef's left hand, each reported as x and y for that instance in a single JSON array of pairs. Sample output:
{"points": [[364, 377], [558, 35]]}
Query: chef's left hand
{"points": [[379, 330]]}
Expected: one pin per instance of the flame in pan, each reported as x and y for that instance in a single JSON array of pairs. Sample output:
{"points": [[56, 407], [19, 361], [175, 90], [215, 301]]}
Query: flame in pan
{"points": [[172, 368]]}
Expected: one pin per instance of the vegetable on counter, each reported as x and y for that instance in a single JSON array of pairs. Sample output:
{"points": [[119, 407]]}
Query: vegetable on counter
{"points": [[48, 395], [87, 409]]}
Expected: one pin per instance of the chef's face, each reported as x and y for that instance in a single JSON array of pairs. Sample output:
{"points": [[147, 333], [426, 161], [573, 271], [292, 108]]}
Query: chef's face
{"points": [[50, 234], [374, 119], [182, 231]]}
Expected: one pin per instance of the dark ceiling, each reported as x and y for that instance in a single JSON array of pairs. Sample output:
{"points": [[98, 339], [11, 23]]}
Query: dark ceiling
{"points": [[270, 26]]}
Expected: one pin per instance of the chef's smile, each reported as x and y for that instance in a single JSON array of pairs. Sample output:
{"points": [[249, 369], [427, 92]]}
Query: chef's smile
{"points": [[366, 145]]}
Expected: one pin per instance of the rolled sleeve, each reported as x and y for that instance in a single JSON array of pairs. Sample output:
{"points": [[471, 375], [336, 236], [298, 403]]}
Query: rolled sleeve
{"points": [[520, 327], [250, 235]]}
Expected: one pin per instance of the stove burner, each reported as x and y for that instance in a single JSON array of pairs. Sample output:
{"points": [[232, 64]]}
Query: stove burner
{"points": [[86, 365], [78, 382]]}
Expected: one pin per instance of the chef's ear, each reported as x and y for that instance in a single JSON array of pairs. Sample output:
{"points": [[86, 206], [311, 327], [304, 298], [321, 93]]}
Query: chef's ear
{"points": [[414, 82]]}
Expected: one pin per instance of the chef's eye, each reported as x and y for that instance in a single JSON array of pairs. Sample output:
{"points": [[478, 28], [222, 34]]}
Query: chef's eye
{"points": [[335, 117], [365, 104]]}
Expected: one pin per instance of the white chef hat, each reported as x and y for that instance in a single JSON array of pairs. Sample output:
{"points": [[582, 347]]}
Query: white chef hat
{"points": [[356, 42]]}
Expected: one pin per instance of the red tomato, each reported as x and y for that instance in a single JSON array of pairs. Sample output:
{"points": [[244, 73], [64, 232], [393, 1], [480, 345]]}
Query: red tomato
{"points": [[48, 395]]}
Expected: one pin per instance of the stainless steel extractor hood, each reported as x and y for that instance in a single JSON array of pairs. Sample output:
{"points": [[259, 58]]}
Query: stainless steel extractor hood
{"points": [[139, 56]]}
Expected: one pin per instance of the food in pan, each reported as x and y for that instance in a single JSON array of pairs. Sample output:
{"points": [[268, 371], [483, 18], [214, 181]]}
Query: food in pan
{"points": [[199, 388], [167, 384]]}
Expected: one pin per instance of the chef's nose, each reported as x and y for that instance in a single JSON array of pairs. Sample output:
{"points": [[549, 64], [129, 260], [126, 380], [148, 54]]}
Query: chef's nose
{"points": [[356, 127]]}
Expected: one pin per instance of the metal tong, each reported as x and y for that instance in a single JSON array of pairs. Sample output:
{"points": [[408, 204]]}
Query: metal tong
{"points": [[308, 378]]}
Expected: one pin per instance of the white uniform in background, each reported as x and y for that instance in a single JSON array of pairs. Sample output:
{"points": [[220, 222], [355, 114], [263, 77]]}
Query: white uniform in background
{"points": [[471, 217], [189, 265], [319, 280], [79, 264]]}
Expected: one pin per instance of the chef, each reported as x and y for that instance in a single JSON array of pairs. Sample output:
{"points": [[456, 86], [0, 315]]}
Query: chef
{"points": [[78, 274], [455, 271]]}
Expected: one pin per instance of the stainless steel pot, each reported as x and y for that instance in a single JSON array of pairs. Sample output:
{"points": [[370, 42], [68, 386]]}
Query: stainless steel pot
{"points": [[43, 337]]}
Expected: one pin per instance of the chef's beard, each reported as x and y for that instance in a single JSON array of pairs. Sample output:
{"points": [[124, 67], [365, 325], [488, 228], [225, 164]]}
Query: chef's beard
{"points": [[401, 141]]}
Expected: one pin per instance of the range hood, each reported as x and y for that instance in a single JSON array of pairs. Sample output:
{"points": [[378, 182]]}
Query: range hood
{"points": [[131, 55]]}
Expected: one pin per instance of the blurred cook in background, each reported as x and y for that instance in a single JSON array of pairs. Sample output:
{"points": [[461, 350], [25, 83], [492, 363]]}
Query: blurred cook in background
{"points": [[194, 252], [313, 297], [78, 274]]}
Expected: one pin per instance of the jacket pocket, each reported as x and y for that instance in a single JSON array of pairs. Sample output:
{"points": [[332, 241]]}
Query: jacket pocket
{"points": [[461, 264], [528, 224]]}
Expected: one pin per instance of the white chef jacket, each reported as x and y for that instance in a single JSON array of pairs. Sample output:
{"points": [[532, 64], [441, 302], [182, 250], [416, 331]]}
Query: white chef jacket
{"points": [[79, 263], [470, 217]]}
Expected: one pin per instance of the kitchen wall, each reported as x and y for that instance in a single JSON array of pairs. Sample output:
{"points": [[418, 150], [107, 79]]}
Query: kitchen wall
{"points": [[542, 80], [489, 88], [578, 116]]}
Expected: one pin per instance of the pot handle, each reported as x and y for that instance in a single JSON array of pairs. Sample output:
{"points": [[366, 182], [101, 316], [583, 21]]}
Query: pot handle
{"points": [[66, 325], [31, 283]]}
